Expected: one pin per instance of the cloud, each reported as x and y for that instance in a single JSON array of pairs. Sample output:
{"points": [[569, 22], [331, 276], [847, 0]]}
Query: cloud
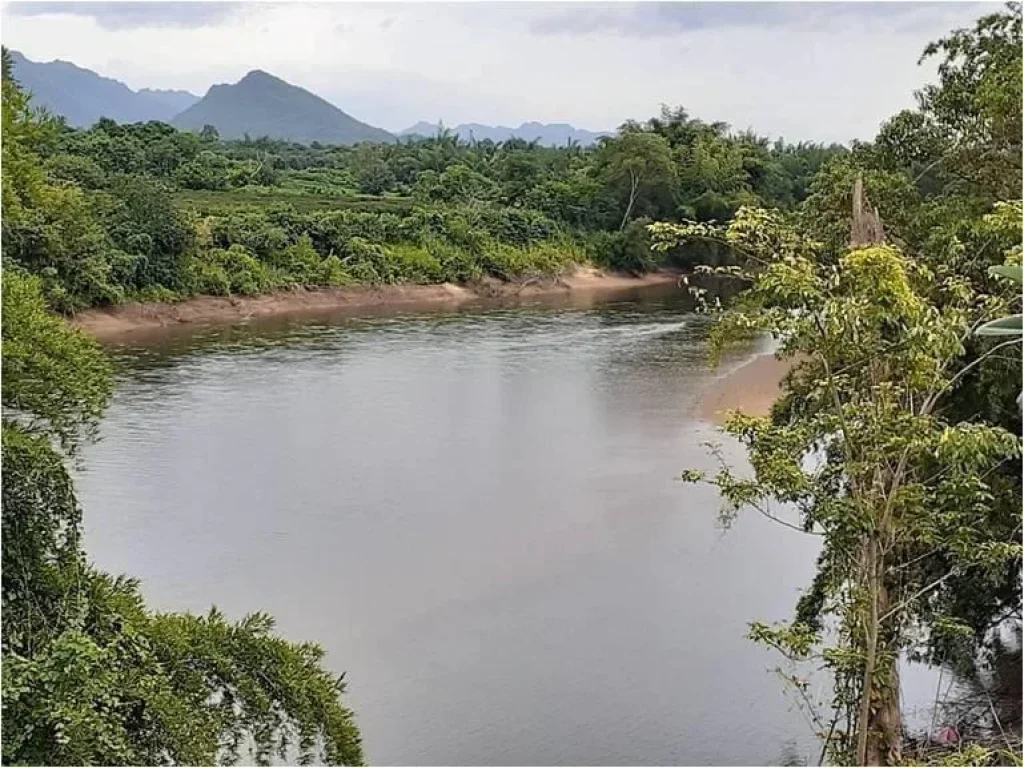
{"points": [[667, 19], [825, 72], [134, 15]]}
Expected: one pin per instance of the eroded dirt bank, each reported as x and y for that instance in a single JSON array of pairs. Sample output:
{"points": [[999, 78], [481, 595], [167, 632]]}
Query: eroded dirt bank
{"points": [[126, 319]]}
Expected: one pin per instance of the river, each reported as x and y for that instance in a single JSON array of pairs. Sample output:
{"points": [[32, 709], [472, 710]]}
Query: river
{"points": [[476, 513]]}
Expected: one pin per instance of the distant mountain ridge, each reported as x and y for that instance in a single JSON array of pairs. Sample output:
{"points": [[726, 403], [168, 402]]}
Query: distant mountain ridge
{"points": [[259, 104], [178, 101], [548, 134], [82, 96], [263, 105]]}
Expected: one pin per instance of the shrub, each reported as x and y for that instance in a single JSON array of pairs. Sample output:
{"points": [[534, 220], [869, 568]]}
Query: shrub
{"points": [[625, 251], [514, 225], [205, 276], [299, 264], [368, 262], [155, 293], [415, 264], [76, 169], [456, 264], [221, 272], [250, 229], [332, 272]]}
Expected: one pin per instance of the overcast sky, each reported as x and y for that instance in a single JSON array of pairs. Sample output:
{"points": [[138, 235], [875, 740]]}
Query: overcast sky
{"points": [[820, 71]]}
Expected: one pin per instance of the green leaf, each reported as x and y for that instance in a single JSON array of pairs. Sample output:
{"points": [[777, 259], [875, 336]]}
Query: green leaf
{"points": [[1012, 271], [1004, 326]]}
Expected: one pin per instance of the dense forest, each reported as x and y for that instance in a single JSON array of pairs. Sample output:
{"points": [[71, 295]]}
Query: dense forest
{"points": [[911, 414], [150, 212]]}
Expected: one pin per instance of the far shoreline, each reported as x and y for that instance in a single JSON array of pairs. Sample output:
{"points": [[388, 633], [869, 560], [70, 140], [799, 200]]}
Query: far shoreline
{"points": [[125, 320]]}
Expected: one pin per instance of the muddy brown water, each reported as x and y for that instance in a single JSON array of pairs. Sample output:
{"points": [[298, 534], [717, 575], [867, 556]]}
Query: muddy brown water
{"points": [[476, 513]]}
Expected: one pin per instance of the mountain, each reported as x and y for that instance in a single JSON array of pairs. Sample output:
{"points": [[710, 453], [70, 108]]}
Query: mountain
{"points": [[423, 130], [258, 105], [548, 134], [83, 97], [175, 101], [263, 105]]}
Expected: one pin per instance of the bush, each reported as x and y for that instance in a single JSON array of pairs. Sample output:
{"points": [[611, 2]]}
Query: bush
{"points": [[456, 264], [331, 231], [332, 272], [143, 221], [514, 225], [510, 262], [251, 229], [220, 272], [625, 251], [155, 293], [415, 264], [76, 169], [300, 263], [208, 171]]}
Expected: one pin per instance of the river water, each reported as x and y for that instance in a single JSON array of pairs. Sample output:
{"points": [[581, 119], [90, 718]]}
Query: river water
{"points": [[476, 513]]}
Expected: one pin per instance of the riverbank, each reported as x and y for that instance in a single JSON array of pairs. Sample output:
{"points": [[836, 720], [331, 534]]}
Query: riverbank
{"points": [[751, 388], [125, 319]]}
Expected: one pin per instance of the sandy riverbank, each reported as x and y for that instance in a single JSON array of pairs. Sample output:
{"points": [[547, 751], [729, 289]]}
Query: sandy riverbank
{"points": [[751, 388], [126, 319]]}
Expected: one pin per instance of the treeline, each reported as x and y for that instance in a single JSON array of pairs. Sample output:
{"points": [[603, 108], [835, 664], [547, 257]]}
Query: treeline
{"points": [[143, 211]]}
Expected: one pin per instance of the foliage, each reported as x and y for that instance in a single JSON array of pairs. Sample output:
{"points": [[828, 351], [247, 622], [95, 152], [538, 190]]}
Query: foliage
{"points": [[895, 439], [861, 450], [637, 165], [114, 211], [1010, 325], [976, 107], [56, 381], [90, 675]]}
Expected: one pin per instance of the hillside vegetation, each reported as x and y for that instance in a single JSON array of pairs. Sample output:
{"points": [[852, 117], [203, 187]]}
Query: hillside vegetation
{"points": [[145, 211]]}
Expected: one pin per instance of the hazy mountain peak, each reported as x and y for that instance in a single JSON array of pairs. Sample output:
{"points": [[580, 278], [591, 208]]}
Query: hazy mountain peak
{"points": [[548, 134], [258, 76], [261, 104], [82, 96]]}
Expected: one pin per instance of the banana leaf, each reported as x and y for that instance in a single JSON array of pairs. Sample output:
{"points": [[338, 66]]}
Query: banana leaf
{"points": [[1012, 271], [1004, 326]]}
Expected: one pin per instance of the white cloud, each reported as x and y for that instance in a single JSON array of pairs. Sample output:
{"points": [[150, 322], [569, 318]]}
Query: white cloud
{"points": [[805, 71]]}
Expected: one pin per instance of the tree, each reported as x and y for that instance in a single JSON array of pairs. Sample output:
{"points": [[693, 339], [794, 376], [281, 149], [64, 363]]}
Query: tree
{"points": [[458, 184], [90, 675], [142, 220], [860, 447], [637, 162], [976, 106]]}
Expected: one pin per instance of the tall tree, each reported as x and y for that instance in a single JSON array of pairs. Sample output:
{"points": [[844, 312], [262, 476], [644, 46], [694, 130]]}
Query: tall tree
{"points": [[637, 162], [862, 452]]}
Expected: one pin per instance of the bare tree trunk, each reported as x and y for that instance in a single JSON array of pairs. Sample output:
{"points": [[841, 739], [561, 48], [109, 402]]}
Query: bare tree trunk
{"points": [[866, 228], [634, 181]]}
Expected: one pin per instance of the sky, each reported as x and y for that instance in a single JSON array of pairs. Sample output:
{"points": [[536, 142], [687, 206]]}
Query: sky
{"points": [[800, 70]]}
